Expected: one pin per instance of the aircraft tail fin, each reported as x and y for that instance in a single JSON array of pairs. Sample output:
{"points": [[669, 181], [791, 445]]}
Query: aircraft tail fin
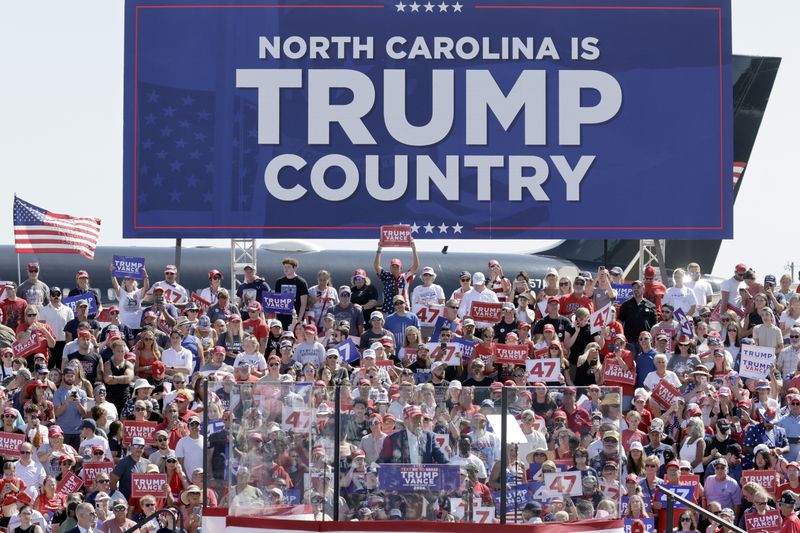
{"points": [[753, 81]]}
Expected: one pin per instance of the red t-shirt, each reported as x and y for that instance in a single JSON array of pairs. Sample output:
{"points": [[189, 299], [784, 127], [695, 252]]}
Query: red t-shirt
{"points": [[257, 327], [13, 312], [571, 302], [578, 420]]}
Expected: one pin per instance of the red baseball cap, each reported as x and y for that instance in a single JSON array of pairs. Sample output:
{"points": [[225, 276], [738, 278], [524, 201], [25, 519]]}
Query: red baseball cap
{"points": [[158, 369], [81, 274], [409, 411], [741, 268], [396, 261], [649, 271]]}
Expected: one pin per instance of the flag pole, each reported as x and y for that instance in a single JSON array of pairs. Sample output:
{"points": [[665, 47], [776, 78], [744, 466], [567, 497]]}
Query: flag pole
{"points": [[19, 272]]}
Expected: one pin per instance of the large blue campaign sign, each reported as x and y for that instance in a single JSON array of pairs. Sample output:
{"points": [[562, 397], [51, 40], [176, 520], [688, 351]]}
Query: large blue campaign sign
{"points": [[461, 118]]}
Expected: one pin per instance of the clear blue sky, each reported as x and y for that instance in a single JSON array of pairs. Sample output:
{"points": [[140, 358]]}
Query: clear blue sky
{"points": [[61, 124]]}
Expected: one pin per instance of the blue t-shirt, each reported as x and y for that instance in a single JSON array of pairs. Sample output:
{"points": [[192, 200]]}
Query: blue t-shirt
{"points": [[70, 420], [397, 325], [644, 365]]}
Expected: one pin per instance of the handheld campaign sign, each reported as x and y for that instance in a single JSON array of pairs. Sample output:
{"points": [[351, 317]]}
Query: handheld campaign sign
{"points": [[756, 361], [613, 373], [505, 353], [69, 484], [473, 119], [128, 267], [769, 522], [10, 442], [146, 430], [399, 235], [144, 484], [72, 302], [664, 393], [601, 318], [624, 291], [348, 351], [486, 312], [273, 302], [683, 320], [543, 369]]}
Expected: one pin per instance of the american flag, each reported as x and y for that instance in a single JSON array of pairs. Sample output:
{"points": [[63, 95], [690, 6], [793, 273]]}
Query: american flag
{"points": [[738, 170], [39, 231], [178, 164]]}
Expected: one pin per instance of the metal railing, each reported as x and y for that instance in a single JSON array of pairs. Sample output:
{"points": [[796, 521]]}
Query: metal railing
{"points": [[164, 511], [672, 498]]}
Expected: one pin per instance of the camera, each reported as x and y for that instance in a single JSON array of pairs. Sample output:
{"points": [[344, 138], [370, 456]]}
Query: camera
{"points": [[73, 394]]}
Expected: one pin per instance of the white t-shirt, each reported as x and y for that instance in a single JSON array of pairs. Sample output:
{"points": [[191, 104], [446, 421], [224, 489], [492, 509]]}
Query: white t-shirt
{"points": [[486, 295], [652, 379], [680, 298], [130, 308], [210, 297], [191, 451], [788, 321], [325, 302], [255, 359], [702, 290], [732, 286], [173, 293], [182, 359], [57, 318], [422, 296]]}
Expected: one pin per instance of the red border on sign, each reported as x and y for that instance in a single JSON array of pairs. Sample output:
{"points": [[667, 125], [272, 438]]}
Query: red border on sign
{"points": [[380, 6]]}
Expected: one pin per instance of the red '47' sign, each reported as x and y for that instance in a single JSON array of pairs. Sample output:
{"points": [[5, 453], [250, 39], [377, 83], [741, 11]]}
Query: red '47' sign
{"points": [[515, 355], [543, 369], [563, 483], [427, 315], [601, 318], [486, 311], [664, 393], [399, 235]]}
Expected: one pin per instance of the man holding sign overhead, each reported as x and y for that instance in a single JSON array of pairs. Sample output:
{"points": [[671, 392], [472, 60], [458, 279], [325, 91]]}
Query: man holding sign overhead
{"points": [[395, 281]]}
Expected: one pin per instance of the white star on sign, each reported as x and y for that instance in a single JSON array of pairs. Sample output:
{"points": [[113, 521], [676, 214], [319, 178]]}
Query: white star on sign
{"points": [[443, 7], [428, 228], [457, 228], [414, 227], [457, 7], [443, 228], [429, 8], [400, 6], [414, 7]]}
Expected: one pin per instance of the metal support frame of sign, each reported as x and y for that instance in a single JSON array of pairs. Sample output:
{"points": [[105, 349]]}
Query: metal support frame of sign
{"points": [[243, 252]]}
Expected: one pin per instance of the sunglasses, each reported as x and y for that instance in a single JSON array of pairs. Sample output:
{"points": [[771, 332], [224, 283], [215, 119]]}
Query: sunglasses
{"points": [[274, 364], [101, 480], [194, 424], [162, 439], [113, 313], [24, 453], [464, 279], [172, 461], [148, 505], [563, 283], [216, 277], [30, 315]]}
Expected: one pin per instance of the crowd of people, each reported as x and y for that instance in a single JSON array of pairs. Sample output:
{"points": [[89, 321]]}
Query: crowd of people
{"points": [[646, 391]]}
